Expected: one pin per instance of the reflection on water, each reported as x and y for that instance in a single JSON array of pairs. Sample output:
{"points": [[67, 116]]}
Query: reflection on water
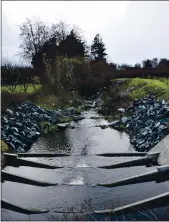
{"points": [[54, 142], [85, 139]]}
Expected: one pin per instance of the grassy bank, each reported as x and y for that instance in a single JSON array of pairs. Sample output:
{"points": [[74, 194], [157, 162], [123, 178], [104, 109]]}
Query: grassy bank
{"points": [[40, 95], [159, 87], [132, 88]]}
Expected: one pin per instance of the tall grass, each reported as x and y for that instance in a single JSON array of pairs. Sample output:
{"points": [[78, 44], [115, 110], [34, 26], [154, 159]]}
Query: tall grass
{"points": [[158, 87]]}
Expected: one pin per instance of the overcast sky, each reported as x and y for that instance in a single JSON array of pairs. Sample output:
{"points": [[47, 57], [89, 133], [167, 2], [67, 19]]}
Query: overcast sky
{"points": [[132, 31]]}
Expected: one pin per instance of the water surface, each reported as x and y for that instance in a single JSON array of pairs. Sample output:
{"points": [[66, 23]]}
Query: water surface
{"points": [[79, 178]]}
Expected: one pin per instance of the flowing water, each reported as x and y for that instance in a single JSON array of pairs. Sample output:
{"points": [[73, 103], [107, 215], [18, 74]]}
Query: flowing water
{"points": [[80, 175]]}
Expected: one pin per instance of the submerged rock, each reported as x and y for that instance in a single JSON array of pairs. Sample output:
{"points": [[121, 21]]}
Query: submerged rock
{"points": [[114, 123], [95, 117], [122, 110], [77, 118], [104, 126], [63, 125]]}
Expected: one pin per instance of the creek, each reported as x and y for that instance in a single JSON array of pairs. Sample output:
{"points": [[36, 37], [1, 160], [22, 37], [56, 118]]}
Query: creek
{"points": [[80, 174]]}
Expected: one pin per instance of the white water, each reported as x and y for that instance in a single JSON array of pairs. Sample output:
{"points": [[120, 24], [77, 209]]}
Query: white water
{"points": [[77, 181]]}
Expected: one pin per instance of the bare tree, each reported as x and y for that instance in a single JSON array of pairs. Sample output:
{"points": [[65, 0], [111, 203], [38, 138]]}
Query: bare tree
{"points": [[33, 35], [59, 31], [24, 81], [10, 75]]}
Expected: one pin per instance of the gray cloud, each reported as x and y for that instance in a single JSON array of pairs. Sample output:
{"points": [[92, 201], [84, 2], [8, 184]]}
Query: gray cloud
{"points": [[10, 38], [140, 32]]}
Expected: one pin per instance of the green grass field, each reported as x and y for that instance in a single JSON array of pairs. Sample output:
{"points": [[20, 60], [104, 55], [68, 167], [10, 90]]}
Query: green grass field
{"points": [[19, 89], [46, 100]]}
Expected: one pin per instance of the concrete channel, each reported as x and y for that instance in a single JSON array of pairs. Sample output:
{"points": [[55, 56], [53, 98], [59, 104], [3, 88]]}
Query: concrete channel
{"points": [[159, 155], [163, 148]]}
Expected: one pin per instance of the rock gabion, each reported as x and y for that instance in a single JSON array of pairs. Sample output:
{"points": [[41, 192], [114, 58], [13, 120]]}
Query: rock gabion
{"points": [[21, 127], [147, 123]]}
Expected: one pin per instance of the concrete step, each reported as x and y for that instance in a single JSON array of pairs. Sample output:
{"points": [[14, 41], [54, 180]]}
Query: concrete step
{"points": [[148, 160], [156, 201], [10, 206], [13, 160], [123, 154], [159, 175], [5, 176], [41, 155]]}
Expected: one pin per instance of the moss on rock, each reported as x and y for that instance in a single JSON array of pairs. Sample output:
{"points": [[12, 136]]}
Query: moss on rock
{"points": [[4, 146]]}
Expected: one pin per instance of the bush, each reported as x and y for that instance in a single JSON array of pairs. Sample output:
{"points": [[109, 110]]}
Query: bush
{"points": [[19, 88], [12, 74]]}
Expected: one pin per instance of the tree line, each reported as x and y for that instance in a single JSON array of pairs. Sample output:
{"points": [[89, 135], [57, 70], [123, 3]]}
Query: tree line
{"points": [[60, 50], [60, 39]]}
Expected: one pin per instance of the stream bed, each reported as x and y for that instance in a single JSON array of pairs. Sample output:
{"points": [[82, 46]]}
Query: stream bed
{"points": [[80, 175]]}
